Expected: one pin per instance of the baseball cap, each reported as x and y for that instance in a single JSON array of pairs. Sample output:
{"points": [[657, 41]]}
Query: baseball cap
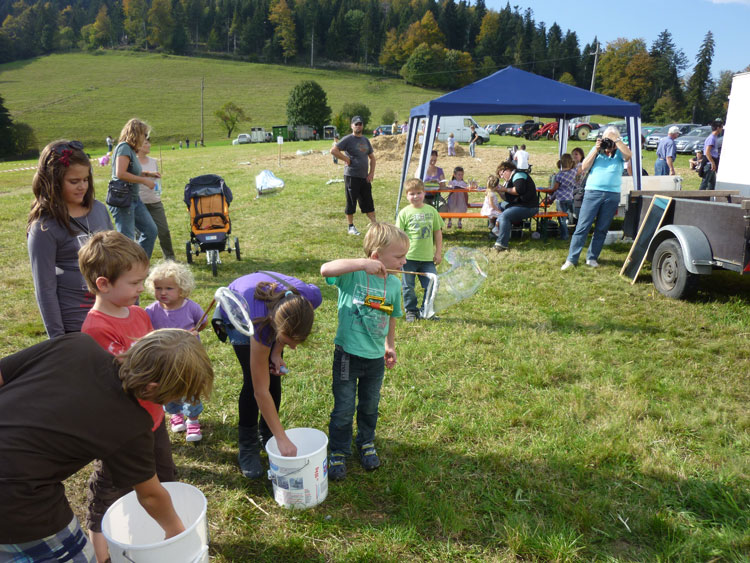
{"points": [[674, 129], [357, 119]]}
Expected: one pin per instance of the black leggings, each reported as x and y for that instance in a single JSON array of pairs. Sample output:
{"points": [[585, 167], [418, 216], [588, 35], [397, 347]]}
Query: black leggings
{"points": [[248, 406]]}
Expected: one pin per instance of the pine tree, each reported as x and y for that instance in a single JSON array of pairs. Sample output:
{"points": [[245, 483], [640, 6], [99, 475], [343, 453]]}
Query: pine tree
{"points": [[700, 84], [7, 133]]}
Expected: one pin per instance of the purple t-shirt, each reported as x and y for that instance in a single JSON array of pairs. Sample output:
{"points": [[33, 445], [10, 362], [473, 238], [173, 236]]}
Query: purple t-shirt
{"points": [[186, 317], [245, 286]]}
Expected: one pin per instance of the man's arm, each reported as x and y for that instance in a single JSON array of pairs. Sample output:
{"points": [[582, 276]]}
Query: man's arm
{"points": [[341, 156], [155, 500], [670, 163], [371, 175]]}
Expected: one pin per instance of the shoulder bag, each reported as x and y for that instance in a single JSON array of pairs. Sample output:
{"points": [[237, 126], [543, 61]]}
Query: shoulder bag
{"points": [[118, 191]]}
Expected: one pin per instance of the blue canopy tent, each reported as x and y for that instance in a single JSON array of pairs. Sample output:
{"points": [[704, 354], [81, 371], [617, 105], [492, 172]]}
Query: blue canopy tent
{"points": [[514, 91]]}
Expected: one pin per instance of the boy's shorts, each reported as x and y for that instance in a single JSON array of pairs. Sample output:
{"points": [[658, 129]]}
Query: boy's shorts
{"points": [[358, 190], [69, 544]]}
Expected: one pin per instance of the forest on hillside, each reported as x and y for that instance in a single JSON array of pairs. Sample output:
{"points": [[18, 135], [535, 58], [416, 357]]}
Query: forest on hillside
{"points": [[439, 44]]}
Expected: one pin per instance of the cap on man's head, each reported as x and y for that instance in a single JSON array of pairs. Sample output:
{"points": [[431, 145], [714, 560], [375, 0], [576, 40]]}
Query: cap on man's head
{"points": [[674, 130], [356, 119]]}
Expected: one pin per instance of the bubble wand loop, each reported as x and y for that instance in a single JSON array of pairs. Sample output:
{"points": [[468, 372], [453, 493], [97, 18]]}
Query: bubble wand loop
{"points": [[234, 307]]}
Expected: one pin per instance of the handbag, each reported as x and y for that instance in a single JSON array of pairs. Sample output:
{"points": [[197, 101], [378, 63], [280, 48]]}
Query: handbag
{"points": [[118, 193]]}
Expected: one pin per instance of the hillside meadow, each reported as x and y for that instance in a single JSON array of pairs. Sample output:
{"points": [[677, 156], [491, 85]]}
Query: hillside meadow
{"points": [[554, 416]]}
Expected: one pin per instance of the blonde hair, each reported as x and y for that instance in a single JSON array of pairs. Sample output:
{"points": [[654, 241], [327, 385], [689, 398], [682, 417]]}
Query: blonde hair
{"points": [[566, 162], [134, 133], [414, 185], [175, 360], [169, 269], [382, 235], [47, 184], [109, 254], [289, 313]]}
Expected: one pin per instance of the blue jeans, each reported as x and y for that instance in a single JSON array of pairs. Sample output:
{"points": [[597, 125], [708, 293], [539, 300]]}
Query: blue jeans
{"points": [[472, 149], [661, 168], [128, 219], [709, 178], [354, 378], [509, 216], [565, 206], [181, 407], [409, 284], [599, 206]]}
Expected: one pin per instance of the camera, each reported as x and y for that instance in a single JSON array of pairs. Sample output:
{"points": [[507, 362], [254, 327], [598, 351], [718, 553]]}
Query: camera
{"points": [[607, 144]]}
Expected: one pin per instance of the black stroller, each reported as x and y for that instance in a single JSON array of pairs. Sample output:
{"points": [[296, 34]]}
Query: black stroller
{"points": [[207, 198]]}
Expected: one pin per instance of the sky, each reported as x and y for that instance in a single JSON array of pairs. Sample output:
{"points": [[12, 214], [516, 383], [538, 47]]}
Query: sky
{"points": [[687, 21]]}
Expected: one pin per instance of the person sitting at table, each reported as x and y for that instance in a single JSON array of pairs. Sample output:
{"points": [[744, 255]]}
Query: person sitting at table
{"points": [[457, 202], [521, 202], [433, 175]]}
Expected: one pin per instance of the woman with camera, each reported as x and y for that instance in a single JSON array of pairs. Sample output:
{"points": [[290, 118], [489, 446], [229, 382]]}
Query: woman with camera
{"points": [[602, 196]]}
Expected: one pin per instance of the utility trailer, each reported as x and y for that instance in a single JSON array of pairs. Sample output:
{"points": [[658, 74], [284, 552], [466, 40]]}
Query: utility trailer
{"points": [[701, 231]]}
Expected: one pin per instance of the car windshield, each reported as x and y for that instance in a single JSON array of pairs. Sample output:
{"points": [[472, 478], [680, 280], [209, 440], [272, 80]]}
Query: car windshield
{"points": [[700, 131], [661, 130]]}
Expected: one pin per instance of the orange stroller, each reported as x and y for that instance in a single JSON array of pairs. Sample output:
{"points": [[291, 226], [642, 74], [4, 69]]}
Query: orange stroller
{"points": [[208, 198]]}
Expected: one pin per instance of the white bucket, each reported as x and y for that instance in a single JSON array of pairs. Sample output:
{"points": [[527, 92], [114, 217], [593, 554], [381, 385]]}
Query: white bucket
{"points": [[302, 481], [133, 536], [613, 237]]}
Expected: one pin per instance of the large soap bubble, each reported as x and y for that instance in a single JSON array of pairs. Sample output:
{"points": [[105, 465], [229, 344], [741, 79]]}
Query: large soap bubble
{"points": [[461, 281]]}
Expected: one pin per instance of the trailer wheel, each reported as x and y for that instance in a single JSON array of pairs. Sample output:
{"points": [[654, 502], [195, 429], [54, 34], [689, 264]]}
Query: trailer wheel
{"points": [[668, 271]]}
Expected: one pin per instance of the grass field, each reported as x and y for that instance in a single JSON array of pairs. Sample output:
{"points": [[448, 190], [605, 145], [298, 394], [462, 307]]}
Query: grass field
{"points": [[552, 417]]}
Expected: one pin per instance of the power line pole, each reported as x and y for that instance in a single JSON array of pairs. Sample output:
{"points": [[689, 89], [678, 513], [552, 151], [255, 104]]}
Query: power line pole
{"points": [[312, 47], [593, 72]]}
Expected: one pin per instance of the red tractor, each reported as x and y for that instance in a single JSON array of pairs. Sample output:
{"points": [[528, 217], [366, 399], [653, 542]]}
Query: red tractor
{"points": [[547, 131]]}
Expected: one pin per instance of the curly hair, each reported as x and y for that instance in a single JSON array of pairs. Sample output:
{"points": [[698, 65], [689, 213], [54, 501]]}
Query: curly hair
{"points": [[169, 269], [47, 184]]}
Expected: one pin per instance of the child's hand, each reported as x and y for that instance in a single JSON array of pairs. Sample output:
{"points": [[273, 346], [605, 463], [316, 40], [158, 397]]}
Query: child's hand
{"points": [[375, 268], [390, 358]]}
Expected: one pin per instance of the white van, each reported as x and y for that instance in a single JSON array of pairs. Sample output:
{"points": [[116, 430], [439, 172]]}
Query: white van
{"points": [[734, 170], [460, 125]]}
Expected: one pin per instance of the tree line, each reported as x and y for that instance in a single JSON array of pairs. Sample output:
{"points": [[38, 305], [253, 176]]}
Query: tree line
{"points": [[441, 44]]}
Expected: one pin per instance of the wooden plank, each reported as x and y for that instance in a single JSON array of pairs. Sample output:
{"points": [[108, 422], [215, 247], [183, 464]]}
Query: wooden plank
{"points": [[650, 224]]}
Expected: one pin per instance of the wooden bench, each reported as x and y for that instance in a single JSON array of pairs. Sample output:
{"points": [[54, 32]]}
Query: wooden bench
{"points": [[540, 219]]}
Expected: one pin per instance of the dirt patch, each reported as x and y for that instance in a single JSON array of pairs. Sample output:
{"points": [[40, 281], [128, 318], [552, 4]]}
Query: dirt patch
{"points": [[389, 152]]}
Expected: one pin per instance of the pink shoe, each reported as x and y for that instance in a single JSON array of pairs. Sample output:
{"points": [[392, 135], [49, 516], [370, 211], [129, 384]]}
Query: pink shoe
{"points": [[177, 423], [193, 431]]}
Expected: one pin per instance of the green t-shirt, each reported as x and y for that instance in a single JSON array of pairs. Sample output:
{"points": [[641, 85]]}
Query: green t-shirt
{"points": [[362, 329], [420, 226], [124, 149]]}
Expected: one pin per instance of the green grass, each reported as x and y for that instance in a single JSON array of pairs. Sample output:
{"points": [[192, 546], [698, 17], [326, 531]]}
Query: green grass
{"points": [[552, 417], [88, 96]]}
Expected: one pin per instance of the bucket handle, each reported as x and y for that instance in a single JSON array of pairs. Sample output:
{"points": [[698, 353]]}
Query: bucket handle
{"points": [[271, 473]]}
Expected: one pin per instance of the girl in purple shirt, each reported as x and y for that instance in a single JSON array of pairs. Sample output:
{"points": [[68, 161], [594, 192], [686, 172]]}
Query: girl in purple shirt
{"points": [[171, 283], [281, 309]]}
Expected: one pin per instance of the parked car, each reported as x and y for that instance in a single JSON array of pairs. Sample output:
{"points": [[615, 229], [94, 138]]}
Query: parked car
{"points": [[502, 128], [693, 140], [652, 141], [622, 127], [383, 130], [646, 130], [242, 139], [490, 128]]}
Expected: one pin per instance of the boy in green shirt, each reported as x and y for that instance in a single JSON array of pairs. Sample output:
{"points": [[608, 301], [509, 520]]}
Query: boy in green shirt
{"points": [[369, 302], [424, 227]]}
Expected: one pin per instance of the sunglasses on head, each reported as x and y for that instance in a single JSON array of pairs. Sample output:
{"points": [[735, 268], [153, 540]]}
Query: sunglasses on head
{"points": [[70, 145]]}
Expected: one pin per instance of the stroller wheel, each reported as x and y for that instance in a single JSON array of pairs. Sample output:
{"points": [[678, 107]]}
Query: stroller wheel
{"points": [[237, 248], [189, 252], [215, 262]]}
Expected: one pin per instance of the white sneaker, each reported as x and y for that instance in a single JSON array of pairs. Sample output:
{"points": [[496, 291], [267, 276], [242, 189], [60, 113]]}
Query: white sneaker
{"points": [[353, 231], [592, 263], [567, 266]]}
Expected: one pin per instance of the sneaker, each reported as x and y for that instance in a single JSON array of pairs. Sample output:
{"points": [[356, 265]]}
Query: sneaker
{"points": [[568, 264], [353, 230], [592, 263], [449, 224], [193, 431], [337, 467], [460, 225], [500, 248], [410, 317], [369, 457], [177, 423]]}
